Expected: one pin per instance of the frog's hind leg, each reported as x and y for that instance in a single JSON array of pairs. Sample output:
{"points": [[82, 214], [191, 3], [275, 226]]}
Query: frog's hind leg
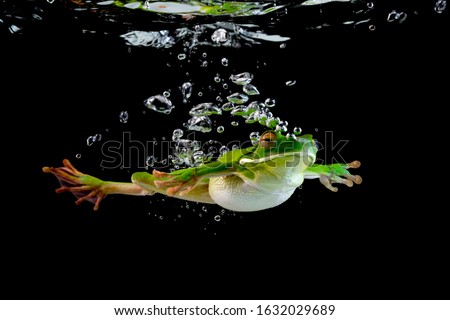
{"points": [[334, 173], [88, 188], [183, 186]]}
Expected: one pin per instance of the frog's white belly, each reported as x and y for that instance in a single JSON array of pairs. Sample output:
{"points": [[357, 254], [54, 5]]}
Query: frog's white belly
{"points": [[233, 193]]}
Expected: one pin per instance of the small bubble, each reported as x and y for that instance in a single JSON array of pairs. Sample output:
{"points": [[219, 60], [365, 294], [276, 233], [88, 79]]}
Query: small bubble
{"points": [[220, 129], [291, 83], [181, 56], [223, 150], [200, 93], [123, 116], [204, 54], [186, 91], [370, 5], [217, 218], [166, 94], [250, 89], [97, 137], [270, 102], [177, 133], [316, 129], [283, 45], [234, 123], [241, 78], [78, 156], [297, 131], [440, 6], [395, 16], [159, 103], [372, 27], [150, 161], [227, 106], [225, 86], [220, 36], [161, 217], [224, 62], [90, 141], [204, 64], [238, 98], [254, 137], [217, 78]]}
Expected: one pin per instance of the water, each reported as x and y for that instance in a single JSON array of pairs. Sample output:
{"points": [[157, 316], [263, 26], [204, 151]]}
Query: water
{"points": [[69, 71], [232, 74]]}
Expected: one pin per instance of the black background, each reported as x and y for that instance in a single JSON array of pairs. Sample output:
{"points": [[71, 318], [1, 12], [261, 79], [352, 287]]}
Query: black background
{"points": [[384, 91]]}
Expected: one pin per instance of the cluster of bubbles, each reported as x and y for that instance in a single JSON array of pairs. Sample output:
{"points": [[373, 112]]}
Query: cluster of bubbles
{"points": [[190, 153]]}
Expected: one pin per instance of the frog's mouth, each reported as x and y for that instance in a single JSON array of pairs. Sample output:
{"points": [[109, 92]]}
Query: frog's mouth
{"points": [[308, 157]]}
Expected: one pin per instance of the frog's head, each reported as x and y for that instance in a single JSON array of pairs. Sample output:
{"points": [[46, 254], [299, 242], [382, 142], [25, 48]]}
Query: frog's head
{"points": [[282, 151]]}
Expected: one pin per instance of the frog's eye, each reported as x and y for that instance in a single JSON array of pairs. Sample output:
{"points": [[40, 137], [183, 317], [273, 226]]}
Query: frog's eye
{"points": [[268, 140]]}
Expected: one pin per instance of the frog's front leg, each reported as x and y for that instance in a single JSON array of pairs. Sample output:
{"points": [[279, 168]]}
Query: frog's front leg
{"points": [[334, 173]]}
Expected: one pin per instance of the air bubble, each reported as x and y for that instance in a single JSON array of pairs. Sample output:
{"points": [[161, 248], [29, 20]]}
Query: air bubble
{"points": [[220, 129], [291, 83], [181, 56], [395, 16], [186, 91], [242, 78], [123, 116], [224, 62], [440, 6], [78, 156], [250, 89], [297, 131], [199, 123], [150, 161], [220, 36], [223, 150], [270, 102], [217, 218], [159, 103], [90, 141], [238, 98], [234, 123], [205, 109]]}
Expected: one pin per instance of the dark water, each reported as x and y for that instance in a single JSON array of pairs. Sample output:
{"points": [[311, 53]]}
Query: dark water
{"points": [[359, 67]]}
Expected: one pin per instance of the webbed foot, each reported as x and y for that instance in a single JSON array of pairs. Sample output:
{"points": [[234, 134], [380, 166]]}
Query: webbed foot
{"points": [[83, 186], [335, 173]]}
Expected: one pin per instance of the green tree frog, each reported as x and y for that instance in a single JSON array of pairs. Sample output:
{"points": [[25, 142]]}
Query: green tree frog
{"points": [[249, 179]]}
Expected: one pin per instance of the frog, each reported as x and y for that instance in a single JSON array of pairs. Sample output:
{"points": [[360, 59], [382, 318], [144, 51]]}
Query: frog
{"points": [[253, 178]]}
